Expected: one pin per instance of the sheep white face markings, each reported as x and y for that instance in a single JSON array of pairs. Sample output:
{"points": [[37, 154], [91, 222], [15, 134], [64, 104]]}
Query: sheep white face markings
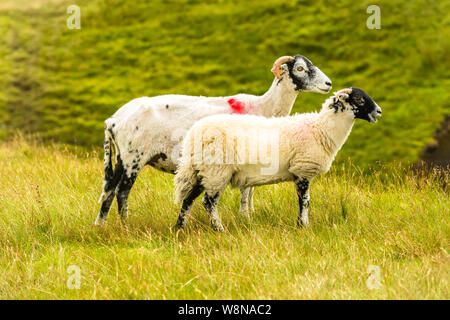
{"points": [[305, 76]]}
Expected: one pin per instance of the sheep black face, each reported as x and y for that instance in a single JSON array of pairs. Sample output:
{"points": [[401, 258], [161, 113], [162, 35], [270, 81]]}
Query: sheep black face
{"points": [[305, 76], [357, 103]]}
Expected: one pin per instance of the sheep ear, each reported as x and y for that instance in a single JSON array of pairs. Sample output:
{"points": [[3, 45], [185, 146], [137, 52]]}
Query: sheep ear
{"points": [[343, 94], [343, 97]]}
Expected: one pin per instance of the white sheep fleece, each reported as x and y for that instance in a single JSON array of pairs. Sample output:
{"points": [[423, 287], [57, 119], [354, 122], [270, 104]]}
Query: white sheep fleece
{"points": [[308, 144]]}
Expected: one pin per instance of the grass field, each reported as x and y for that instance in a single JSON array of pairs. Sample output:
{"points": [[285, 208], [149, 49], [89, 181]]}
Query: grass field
{"points": [[388, 218]]}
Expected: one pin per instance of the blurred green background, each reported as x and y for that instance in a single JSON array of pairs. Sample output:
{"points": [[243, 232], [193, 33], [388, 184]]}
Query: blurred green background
{"points": [[62, 84]]}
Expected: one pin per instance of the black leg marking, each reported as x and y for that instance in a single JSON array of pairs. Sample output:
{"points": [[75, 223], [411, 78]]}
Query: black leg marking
{"points": [[187, 205], [302, 185], [210, 203], [123, 191], [112, 179]]}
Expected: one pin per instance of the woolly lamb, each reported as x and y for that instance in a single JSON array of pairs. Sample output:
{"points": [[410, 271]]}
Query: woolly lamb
{"points": [[307, 145], [149, 131]]}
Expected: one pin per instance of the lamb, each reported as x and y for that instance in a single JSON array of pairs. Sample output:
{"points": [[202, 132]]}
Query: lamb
{"points": [[301, 147], [150, 130]]}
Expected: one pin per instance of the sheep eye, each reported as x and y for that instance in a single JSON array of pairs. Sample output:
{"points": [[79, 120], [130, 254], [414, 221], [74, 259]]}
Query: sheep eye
{"points": [[300, 68]]}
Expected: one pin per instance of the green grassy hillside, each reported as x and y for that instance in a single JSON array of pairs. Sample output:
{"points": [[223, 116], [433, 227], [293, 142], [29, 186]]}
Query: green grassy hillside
{"points": [[63, 83], [396, 221]]}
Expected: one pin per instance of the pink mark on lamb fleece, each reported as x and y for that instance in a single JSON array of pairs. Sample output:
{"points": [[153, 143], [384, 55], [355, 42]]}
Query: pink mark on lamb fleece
{"points": [[305, 129], [237, 106]]}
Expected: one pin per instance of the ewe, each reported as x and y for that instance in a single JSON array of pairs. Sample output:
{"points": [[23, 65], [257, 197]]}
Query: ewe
{"points": [[306, 145], [149, 131]]}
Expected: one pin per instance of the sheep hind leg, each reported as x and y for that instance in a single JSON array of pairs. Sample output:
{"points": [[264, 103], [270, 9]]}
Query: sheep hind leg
{"points": [[111, 180], [210, 202], [123, 191], [302, 185], [187, 205]]}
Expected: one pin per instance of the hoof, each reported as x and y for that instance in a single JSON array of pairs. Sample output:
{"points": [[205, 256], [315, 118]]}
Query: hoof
{"points": [[179, 225], [99, 222], [218, 228], [124, 216], [245, 213], [302, 225]]}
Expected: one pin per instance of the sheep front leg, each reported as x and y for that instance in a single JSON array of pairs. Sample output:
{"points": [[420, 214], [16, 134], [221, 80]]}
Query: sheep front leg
{"points": [[302, 185], [245, 201], [250, 199]]}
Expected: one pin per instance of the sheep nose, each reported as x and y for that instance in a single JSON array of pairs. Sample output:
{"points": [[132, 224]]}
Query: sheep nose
{"points": [[379, 110], [328, 83]]}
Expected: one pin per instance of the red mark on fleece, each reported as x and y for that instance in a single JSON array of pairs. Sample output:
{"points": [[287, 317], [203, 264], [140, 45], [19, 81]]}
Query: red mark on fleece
{"points": [[237, 106]]}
